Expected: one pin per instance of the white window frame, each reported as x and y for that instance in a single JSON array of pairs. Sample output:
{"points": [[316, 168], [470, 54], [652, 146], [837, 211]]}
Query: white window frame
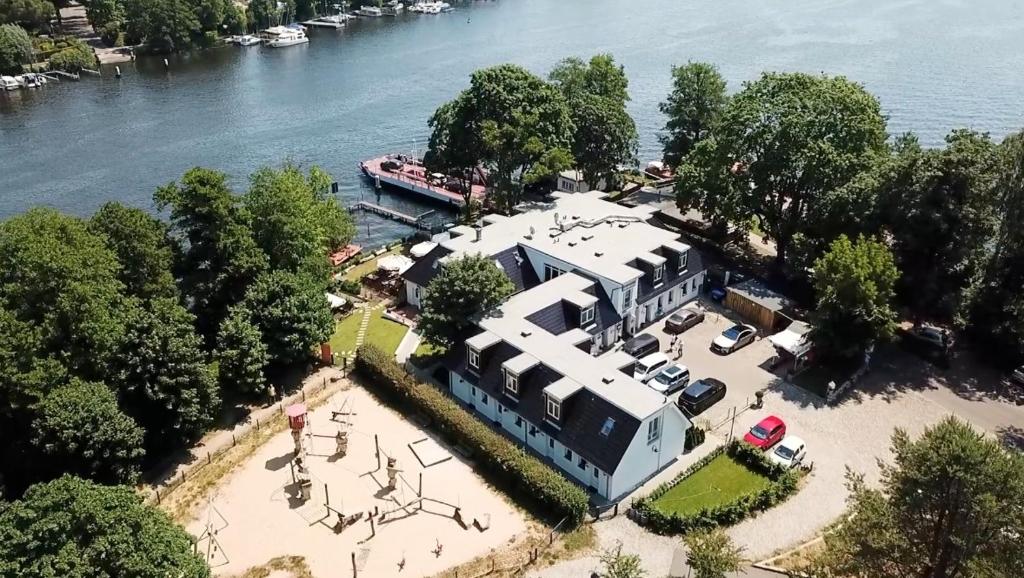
{"points": [[659, 274], [683, 259], [512, 382], [587, 315], [554, 409], [627, 297], [550, 272], [654, 430], [474, 358]]}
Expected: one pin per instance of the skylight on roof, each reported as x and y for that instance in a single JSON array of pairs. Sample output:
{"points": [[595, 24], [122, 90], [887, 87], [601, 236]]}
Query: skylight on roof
{"points": [[606, 429]]}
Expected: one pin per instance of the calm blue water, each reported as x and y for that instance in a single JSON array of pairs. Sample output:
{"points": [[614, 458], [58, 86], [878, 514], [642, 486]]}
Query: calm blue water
{"points": [[370, 88]]}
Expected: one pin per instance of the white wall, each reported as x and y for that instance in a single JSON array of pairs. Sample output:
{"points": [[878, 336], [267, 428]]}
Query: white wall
{"points": [[411, 295], [641, 461]]}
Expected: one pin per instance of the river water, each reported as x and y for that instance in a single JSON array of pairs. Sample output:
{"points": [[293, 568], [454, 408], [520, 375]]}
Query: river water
{"points": [[369, 89]]}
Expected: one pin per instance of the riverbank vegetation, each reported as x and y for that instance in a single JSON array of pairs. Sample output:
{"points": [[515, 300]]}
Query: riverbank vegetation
{"points": [[121, 334]]}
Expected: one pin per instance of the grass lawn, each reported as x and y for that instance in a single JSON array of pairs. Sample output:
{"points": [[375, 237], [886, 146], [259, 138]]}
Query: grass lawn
{"points": [[356, 273], [426, 354], [719, 482], [384, 333], [345, 332]]}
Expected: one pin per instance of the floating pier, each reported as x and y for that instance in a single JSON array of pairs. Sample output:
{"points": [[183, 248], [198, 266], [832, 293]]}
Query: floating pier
{"points": [[388, 213]]}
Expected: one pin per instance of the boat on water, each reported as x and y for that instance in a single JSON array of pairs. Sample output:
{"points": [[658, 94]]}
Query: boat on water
{"points": [[370, 12], [408, 174], [246, 40], [393, 8], [30, 80], [431, 7], [334, 21], [8, 83], [290, 35]]}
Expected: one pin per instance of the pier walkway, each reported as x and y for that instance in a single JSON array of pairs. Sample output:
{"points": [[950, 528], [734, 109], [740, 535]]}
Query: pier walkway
{"points": [[388, 213]]}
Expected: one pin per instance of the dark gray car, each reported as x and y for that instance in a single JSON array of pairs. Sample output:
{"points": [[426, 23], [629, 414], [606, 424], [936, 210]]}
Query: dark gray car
{"points": [[683, 319], [641, 345]]}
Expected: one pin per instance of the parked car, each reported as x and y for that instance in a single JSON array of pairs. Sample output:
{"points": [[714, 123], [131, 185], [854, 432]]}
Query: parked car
{"points": [[734, 338], [683, 319], [931, 343], [671, 379], [700, 395], [766, 433], [641, 345], [1018, 375], [789, 453], [649, 366]]}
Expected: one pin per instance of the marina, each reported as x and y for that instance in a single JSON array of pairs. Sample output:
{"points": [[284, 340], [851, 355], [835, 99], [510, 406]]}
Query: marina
{"points": [[415, 221], [334, 21], [410, 175]]}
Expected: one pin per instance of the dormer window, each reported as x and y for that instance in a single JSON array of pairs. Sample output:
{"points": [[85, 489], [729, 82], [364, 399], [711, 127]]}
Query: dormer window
{"points": [[474, 358], [609, 425], [511, 383], [682, 261], [586, 316], [554, 409], [659, 274]]}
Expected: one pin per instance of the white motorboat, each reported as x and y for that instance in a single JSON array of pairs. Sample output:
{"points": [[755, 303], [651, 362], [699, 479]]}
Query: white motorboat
{"points": [[370, 12], [30, 80], [431, 7], [246, 40], [394, 8], [8, 83], [289, 36], [335, 21]]}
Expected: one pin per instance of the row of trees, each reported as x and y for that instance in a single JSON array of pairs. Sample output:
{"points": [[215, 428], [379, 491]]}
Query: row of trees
{"points": [[808, 160], [119, 335], [165, 25], [523, 130]]}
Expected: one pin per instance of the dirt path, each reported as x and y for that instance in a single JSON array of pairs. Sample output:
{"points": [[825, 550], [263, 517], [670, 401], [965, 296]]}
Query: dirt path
{"points": [[75, 22]]}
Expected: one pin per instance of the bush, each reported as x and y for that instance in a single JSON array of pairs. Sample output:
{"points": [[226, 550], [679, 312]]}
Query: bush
{"points": [[74, 58], [503, 462], [111, 34], [782, 484], [350, 286]]}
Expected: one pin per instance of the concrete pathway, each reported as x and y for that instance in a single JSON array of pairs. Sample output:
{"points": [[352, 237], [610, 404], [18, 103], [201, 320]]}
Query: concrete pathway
{"points": [[408, 346]]}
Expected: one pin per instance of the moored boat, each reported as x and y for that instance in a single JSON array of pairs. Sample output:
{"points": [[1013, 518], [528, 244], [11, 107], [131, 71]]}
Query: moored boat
{"points": [[369, 12], [282, 36]]}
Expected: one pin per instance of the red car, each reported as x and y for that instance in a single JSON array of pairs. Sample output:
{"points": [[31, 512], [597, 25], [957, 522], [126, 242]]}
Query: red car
{"points": [[766, 433]]}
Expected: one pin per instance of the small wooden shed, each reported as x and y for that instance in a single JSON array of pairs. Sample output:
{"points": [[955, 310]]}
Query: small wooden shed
{"points": [[761, 306]]}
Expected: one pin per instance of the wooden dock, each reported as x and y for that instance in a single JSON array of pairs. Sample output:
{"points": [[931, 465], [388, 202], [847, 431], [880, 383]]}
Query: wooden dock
{"points": [[411, 220]]}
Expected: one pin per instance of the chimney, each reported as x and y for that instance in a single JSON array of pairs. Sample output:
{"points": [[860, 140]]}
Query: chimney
{"points": [[479, 233]]}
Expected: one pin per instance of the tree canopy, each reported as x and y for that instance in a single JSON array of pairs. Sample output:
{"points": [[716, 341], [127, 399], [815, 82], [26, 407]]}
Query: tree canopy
{"points": [[32, 13], [241, 354], [78, 529], [15, 47], [693, 107], [292, 314], [712, 554], [855, 284], [142, 246], [466, 286], [618, 565], [949, 507]]}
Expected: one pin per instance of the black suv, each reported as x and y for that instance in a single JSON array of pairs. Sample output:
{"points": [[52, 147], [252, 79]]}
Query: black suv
{"points": [[641, 345], [700, 395]]}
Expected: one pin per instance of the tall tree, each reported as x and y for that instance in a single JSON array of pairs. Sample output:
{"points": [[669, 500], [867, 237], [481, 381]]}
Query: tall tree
{"points": [[220, 257], [241, 355], [296, 220], [79, 430], [71, 527], [143, 249], [15, 48], [32, 13], [164, 25], [781, 145], [855, 284], [465, 287], [605, 135], [712, 554], [162, 376], [520, 124], [292, 313], [942, 212], [949, 507], [693, 107]]}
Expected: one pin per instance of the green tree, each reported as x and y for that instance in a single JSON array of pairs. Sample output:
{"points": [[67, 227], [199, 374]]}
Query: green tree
{"points": [[296, 220], [605, 135], [220, 258], [102, 13], [712, 554], [71, 527], [619, 565], [32, 13], [162, 375], [781, 145], [997, 312], [236, 19], [453, 151], [61, 277], [465, 287], [76, 57], [941, 210], [855, 284], [15, 47], [79, 430], [693, 107], [949, 507], [241, 355], [520, 125], [164, 25], [143, 248], [292, 313]]}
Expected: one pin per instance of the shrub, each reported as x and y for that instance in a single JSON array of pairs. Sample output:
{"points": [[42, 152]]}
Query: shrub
{"points": [[782, 484], [74, 58], [350, 286], [503, 462]]}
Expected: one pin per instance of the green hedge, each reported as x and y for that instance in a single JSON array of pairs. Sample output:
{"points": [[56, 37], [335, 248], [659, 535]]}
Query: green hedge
{"points": [[503, 462], [782, 484]]}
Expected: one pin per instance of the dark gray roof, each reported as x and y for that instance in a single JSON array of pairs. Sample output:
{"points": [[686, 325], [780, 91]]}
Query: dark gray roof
{"points": [[583, 415], [673, 278], [517, 267], [560, 317], [763, 296], [424, 269], [552, 319]]}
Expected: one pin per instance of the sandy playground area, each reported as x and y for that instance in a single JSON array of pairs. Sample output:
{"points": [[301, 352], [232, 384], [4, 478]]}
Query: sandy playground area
{"points": [[258, 512]]}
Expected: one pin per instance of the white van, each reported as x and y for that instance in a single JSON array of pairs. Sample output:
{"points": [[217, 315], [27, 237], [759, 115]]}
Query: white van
{"points": [[649, 366]]}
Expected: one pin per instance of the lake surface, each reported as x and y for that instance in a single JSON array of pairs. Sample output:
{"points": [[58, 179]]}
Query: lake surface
{"points": [[369, 89]]}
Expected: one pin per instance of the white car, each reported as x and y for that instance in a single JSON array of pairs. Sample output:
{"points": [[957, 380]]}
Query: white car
{"points": [[734, 338], [649, 366], [671, 379], [789, 453]]}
